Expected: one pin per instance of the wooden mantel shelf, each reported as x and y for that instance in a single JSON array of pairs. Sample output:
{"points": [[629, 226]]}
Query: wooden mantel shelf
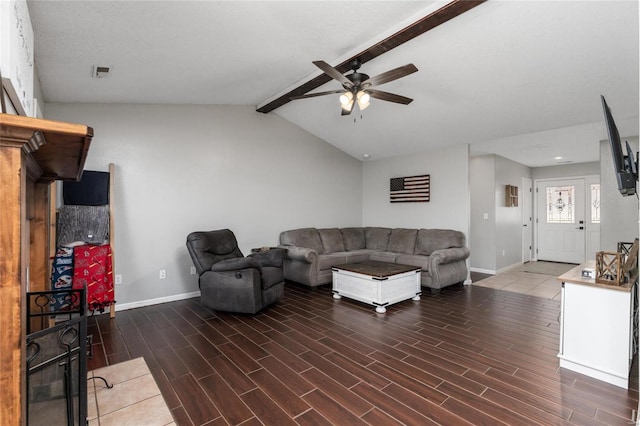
{"points": [[33, 154], [58, 148]]}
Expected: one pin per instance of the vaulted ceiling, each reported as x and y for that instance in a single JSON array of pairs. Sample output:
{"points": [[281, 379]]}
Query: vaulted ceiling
{"points": [[521, 78]]}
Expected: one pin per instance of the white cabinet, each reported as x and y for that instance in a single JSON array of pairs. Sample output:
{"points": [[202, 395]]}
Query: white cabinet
{"points": [[597, 328]]}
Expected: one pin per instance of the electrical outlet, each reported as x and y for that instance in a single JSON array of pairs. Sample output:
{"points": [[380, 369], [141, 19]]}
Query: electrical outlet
{"points": [[192, 271], [163, 274], [118, 279]]}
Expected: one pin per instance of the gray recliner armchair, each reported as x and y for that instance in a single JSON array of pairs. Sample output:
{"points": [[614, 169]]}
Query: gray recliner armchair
{"points": [[231, 282]]}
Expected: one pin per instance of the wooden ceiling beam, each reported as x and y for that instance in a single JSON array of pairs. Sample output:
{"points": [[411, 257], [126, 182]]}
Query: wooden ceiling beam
{"points": [[421, 26]]}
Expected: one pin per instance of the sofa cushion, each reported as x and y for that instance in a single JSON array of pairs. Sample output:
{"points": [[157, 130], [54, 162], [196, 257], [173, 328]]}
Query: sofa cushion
{"points": [[326, 261], [331, 240], [430, 240], [384, 256], [358, 256], [303, 237], [402, 240], [353, 238], [414, 260], [377, 238]]}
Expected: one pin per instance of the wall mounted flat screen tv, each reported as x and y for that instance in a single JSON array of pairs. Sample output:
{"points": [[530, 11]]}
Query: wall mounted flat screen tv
{"points": [[625, 166]]}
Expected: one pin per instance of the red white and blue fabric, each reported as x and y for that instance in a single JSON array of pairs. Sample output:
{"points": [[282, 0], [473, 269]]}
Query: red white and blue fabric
{"points": [[62, 277], [92, 269]]}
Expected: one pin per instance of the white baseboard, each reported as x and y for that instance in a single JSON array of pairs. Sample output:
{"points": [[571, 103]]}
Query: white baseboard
{"points": [[492, 272], [509, 268], [483, 271], [156, 301]]}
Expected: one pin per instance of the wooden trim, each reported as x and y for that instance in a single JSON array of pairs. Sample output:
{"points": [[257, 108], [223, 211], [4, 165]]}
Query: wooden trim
{"points": [[421, 26], [112, 233], [13, 263], [33, 153], [11, 124], [59, 149], [39, 230], [33, 169]]}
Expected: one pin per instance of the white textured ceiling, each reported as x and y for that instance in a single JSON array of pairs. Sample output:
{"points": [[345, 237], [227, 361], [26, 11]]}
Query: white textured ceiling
{"points": [[502, 76]]}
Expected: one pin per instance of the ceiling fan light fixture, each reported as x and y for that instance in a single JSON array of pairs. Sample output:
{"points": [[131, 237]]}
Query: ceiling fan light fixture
{"points": [[348, 106], [363, 99], [357, 86], [346, 100]]}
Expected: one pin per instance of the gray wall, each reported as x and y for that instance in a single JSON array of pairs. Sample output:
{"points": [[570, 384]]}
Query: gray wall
{"points": [[483, 231], [566, 171], [187, 168], [449, 204], [497, 241], [619, 215], [508, 219]]}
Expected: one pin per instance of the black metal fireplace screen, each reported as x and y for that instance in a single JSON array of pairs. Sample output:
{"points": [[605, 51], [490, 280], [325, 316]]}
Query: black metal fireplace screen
{"points": [[56, 348]]}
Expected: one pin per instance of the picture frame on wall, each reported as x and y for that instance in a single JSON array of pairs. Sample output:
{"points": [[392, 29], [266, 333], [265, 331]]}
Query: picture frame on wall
{"points": [[410, 189]]}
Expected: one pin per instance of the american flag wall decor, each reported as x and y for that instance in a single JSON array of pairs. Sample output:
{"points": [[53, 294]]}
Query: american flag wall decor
{"points": [[410, 189]]}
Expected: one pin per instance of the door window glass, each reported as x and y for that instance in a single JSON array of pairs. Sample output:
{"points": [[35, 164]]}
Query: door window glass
{"points": [[560, 204], [595, 203]]}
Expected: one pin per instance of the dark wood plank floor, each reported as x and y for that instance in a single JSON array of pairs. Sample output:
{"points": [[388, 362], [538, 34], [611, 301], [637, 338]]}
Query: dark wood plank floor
{"points": [[469, 355]]}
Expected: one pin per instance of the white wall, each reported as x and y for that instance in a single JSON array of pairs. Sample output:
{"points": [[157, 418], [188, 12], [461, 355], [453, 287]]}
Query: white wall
{"points": [[619, 215], [190, 168], [449, 205]]}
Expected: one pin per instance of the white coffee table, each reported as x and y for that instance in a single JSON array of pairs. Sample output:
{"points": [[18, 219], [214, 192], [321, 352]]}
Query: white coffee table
{"points": [[377, 283]]}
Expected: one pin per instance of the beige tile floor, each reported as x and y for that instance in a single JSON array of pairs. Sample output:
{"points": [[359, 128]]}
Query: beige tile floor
{"points": [[519, 281], [135, 398]]}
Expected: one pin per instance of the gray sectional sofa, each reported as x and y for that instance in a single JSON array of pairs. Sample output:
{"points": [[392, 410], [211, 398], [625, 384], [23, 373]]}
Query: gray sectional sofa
{"points": [[311, 252]]}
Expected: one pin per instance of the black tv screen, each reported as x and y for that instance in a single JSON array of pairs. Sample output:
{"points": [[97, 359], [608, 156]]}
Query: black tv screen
{"points": [[624, 174]]}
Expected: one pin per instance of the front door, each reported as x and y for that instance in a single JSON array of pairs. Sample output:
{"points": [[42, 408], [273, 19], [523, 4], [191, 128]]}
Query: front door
{"points": [[527, 213], [561, 220]]}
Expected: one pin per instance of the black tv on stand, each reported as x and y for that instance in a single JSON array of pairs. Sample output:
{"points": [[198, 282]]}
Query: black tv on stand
{"points": [[625, 166]]}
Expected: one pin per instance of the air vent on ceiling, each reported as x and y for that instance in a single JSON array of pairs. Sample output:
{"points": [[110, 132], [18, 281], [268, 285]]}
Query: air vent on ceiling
{"points": [[100, 71]]}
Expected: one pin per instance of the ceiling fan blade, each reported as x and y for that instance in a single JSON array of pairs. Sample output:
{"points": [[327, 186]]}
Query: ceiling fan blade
{"points": [[390, 97], [391, 75], [333, 73], [313, 95]]}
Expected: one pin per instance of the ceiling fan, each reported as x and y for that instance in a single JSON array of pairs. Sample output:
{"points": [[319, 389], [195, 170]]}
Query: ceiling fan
{"points": [[357, 86]]}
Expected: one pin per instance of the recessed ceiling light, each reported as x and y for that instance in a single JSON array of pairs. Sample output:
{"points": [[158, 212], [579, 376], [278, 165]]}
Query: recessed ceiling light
{"points": [[557, 158], [366, 156]]}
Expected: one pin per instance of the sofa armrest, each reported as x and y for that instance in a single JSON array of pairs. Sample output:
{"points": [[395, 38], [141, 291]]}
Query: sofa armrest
{"points": [[301, 254], [449, 255], [235, 264], [273, 257]]}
